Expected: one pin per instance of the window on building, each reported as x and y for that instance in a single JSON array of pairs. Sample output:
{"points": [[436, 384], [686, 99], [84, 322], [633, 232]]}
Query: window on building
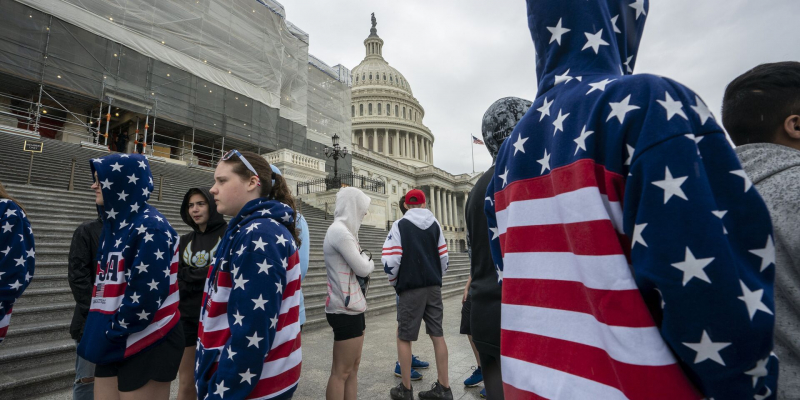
{"points": [[380, 144], [404, 112], [391, 78], [379, 108], [370, 76], [395, 111], [364, 76], [361, 110], [356, 78], [394, 189], [388, 109], [361, 139], [370, 108], [353, 110], [384, 77]]}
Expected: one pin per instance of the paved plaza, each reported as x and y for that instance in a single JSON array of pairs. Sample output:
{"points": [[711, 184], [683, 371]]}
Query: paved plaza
{"points": [[375, 377]]}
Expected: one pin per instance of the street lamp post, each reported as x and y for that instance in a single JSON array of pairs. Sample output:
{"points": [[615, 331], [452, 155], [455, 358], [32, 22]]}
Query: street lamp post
{"points": [[336, 153]]}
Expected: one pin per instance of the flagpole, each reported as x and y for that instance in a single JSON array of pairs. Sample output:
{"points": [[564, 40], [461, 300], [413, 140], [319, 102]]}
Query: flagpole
{"points": [[472, 150]]}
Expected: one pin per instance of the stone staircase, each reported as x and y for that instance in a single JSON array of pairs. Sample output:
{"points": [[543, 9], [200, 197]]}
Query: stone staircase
{"points": [[38, 354]]}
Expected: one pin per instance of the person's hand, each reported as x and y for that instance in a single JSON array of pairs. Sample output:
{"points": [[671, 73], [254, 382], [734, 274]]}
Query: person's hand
{"points": [[466, 293]]}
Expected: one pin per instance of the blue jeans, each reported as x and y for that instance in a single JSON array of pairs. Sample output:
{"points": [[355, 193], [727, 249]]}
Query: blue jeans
{"points": [[83, 369]]}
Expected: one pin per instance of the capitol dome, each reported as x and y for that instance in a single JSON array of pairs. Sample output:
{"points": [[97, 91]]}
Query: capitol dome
{"points": [[387, 118]]}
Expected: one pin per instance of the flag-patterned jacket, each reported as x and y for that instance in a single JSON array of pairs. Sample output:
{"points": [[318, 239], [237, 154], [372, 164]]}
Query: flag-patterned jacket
{"points": [[135, 297], [636, 257], [249, 338], [17, 258]]}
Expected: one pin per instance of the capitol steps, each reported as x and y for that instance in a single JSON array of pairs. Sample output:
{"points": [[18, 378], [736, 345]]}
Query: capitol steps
{"points": [[38, 354]]}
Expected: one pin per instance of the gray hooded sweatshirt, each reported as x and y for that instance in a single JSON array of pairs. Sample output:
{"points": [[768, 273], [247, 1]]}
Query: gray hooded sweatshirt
{"points": [[775, 171], [343, 257]]}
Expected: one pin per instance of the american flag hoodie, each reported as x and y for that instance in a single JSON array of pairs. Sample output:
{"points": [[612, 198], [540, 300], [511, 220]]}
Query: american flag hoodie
{"points": [[248, 343], [17, 258], [135, 297], [636, 257]]}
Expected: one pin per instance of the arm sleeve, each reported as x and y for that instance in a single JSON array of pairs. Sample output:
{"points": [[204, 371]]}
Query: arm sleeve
{"points": [[347, 246], [702, 258], [81, 267], [16, 260], [253, 327], [494, 237], [148, 285], [305, 246], [444, 258], [391, 254]]}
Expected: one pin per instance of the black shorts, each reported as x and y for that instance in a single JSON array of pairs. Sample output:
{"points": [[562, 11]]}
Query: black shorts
{"points": [[466, 308], [159, 363], [346, 326], [190, 305]]}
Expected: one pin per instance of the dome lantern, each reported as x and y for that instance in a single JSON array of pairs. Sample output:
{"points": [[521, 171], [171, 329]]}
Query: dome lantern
{"points": [[373, 43]]}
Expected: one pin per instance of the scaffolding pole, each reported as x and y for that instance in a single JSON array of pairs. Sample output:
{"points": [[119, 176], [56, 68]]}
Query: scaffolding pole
{"points": [[108, 123], [153, 136], [146, 126]]}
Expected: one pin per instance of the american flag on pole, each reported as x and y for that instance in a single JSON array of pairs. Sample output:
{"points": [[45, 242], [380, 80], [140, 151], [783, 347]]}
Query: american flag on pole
{"points": [[476, 140], [635, 256]]}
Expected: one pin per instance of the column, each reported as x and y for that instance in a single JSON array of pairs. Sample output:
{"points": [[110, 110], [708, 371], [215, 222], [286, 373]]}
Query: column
{"points": [[437, 212], [430, 151], [452, 214], [405, 145], [374, 140], [419, 146], [456, 212], [386, 142]]}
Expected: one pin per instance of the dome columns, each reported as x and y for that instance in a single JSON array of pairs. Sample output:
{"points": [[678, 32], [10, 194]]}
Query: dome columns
{"points": [[396, 143]]}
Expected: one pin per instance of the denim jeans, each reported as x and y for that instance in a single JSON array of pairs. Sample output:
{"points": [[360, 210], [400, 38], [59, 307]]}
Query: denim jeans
{"points": [[83, 369]]}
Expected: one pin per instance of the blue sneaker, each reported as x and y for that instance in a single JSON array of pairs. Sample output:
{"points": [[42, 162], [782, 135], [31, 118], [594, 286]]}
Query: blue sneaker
{"points": [[417, 363], [415, 376], [475, 378], [483, 393]]}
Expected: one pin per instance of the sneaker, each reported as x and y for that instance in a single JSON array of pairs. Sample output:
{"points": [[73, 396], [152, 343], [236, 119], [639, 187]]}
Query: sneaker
{"points": [[437, 392], [483, 393], [475, 378], [415, 376], [400, 392], [417, 363]]}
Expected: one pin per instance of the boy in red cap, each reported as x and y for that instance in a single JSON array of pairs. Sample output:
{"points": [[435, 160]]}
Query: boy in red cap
{"points": [[415, 258]]}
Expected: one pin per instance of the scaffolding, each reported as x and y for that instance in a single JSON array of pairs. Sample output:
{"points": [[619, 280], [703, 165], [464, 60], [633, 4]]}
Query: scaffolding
{"points": [[215, 73]]}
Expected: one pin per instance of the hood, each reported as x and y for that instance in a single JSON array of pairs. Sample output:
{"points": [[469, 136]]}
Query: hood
{"points": [[351, 207], [215, 219], [421, 217], [126, 183], [499, 121], [763, 160], [577, 38]]}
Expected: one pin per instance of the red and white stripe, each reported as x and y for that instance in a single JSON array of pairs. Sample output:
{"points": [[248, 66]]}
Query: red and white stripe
{"points": [[167, 316], [4, 325], [392, 251], [574, 325], [442, 250], [281, 369]]}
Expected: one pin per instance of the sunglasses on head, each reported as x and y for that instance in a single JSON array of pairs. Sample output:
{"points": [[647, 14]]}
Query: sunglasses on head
{"points": [[246, 163]]}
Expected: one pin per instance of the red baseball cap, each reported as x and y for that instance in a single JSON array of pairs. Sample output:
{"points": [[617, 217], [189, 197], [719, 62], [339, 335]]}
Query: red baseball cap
{"points": [[415, 194]]}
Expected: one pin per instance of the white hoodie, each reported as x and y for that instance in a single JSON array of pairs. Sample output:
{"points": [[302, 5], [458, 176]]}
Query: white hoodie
{"points": [[343, 258]]}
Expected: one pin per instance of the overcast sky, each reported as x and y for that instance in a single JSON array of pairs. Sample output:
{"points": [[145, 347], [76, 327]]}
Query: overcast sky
{"points": [[460, 56]]}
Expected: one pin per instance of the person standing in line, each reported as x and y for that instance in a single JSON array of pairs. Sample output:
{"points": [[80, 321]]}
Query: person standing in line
{"points": [[303, 251], [345, 262], [416, 363], [132, 332], [415, 259], [81, 273], [761, 112], [197, 249], [249, 335], [624, 230], [498, 123], [17, 256]]}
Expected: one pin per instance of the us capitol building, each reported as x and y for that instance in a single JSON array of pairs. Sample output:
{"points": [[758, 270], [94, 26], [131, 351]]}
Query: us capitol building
{"points": [[390, 143]]}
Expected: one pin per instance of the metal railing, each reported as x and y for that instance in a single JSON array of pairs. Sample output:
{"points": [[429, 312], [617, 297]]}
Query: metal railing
{"points": [[343, 180]]}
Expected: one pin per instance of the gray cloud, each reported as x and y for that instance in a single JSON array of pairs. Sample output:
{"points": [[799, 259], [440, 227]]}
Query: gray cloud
{"points": [[460, 56]]}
